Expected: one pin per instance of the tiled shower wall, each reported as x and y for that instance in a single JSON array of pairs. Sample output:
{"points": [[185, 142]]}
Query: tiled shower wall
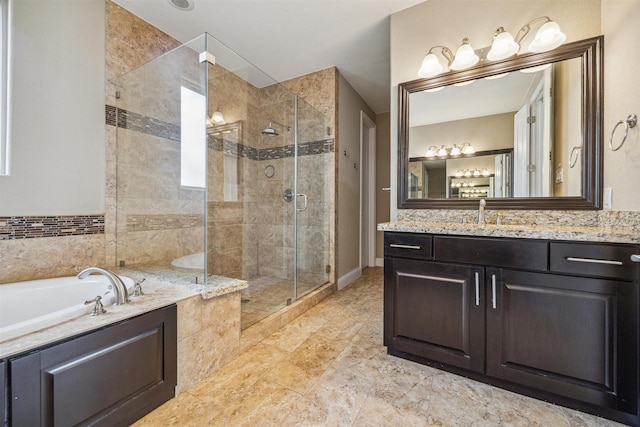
{"points": [[248, 236], [131, 42]]}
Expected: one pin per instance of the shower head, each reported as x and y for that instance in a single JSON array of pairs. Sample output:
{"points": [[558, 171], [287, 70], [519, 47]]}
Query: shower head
{"points": [[270, 131]]}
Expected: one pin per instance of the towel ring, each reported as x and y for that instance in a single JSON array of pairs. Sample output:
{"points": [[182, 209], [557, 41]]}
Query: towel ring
{"points": [[631, 122], [574, 156]]}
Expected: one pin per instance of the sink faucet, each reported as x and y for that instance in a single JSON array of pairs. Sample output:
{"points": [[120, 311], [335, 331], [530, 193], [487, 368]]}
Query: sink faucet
{"points": [[483, 203], [120, 289]]}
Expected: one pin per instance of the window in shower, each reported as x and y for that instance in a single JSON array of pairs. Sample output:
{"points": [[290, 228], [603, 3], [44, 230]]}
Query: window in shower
{"points": [[192, 139]]}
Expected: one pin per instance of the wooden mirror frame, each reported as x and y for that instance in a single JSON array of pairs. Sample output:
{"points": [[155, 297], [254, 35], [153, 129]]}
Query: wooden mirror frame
{"points": [[591, 52]]}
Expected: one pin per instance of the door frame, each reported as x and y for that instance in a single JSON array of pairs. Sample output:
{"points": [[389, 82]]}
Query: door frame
{"points": [[368, 182]]}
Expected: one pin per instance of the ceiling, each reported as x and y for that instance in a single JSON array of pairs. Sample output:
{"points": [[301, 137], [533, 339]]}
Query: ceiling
{"points": [[291, 38]]}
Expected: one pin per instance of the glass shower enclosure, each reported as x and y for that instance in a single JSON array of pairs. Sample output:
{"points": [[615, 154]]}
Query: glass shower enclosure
{"points": [[222, 173]]}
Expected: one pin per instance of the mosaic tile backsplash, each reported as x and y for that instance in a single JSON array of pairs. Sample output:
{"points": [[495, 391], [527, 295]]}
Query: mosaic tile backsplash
{"points": [[30, 227]]}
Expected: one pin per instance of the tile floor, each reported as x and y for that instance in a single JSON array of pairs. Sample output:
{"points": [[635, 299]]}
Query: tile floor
{"points": [[328, 367], [266, 295]]}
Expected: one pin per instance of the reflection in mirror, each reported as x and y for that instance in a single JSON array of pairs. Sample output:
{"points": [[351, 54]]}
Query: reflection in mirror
{"points": [[526, 115], [535, 114], [482, 174]]}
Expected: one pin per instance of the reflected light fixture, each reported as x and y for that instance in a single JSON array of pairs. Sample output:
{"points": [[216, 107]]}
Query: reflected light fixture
{"points": [[496, 76], [454, 151], [216, 119], [468, 82], [431, 151], [504, 45], [467, 148], [535, 69]]}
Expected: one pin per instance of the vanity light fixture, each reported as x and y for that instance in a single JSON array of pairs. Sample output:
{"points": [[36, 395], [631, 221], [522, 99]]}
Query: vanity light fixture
{"points": [[548, 37], [504, 45], [455, 151], [465, 56], [431, 65]]}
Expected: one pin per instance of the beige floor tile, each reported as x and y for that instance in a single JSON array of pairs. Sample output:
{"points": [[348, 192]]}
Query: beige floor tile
{"points": [[328, 367]]}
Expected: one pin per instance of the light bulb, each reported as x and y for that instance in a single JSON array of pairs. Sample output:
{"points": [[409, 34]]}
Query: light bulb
{"points": [[465, 57], [431, 152], [442, 152], [430, 66], [455, 151], [503, 46], [217, 117], [548, 37]]}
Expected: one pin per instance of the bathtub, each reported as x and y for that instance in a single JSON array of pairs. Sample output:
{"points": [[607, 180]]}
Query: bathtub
{"points": [[38, 304]]}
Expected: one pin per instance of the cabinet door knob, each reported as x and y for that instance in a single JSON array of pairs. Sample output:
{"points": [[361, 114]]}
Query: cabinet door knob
{"points": [[635, 258], [477, 289]]}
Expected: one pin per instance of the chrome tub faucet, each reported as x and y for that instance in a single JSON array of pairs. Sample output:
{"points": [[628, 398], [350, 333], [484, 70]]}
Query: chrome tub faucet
{"points": [[120, 289]]}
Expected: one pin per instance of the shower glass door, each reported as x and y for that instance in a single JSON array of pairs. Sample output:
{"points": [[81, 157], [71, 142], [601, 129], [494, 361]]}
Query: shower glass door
{"points": [[313, 157]]}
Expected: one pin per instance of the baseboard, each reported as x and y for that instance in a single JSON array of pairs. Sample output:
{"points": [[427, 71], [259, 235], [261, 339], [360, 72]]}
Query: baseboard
{"points": [[349, 277], [379, 262]]}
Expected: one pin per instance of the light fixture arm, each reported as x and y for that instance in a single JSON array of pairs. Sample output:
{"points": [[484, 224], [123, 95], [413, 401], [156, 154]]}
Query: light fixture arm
{"points": [[446, 52], [522, 33]]}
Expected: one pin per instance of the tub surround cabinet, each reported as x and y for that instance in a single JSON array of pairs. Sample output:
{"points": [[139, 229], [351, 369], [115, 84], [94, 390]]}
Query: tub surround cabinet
{"points": [[538, 317], [112, 376]]}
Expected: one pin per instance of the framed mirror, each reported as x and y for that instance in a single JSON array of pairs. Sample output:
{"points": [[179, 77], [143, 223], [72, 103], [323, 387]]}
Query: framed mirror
{"points": [[530, 126]]}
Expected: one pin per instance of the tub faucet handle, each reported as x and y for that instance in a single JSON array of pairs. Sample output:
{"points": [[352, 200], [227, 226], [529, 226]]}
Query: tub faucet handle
{"points": [[98, 308], [137, 288]]}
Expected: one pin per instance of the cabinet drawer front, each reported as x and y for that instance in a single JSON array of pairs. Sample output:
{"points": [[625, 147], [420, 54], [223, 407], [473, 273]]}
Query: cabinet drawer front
{"points": [[507, 253], [407, 245], [600, 260]]}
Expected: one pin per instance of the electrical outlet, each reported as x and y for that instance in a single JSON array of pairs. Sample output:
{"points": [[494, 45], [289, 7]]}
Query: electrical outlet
{"points": [[607, 196]]}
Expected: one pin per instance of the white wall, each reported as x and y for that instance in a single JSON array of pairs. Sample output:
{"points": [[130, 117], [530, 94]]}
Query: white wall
{"points": [[57, 119], [621, 97], [446, 22], [348, 198]]}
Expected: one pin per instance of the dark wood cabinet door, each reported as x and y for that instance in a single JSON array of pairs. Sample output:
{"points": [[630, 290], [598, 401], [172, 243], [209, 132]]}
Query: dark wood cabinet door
{"points": [[560, 334], [3, 393], [435, 311], [109, 377]]}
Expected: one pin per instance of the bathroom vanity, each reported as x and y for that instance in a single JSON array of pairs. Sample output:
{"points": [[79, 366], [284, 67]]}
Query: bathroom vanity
{"points": [[552, 319]]}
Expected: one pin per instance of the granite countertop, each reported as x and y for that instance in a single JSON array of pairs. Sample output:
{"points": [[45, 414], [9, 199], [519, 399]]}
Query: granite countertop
{"points": [[162, 288], [547, 232]]}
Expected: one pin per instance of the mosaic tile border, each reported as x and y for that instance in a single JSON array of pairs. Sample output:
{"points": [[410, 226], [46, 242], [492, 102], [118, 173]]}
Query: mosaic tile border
{"points": [[31, 227], [133, 121]]}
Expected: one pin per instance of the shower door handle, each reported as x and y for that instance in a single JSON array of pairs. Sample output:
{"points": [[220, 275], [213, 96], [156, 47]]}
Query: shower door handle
{"points": [[303, 208]]}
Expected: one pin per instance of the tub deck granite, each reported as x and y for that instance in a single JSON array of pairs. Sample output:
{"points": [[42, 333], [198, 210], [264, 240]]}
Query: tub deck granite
{"points": [[162, 287], [550, 232]]}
